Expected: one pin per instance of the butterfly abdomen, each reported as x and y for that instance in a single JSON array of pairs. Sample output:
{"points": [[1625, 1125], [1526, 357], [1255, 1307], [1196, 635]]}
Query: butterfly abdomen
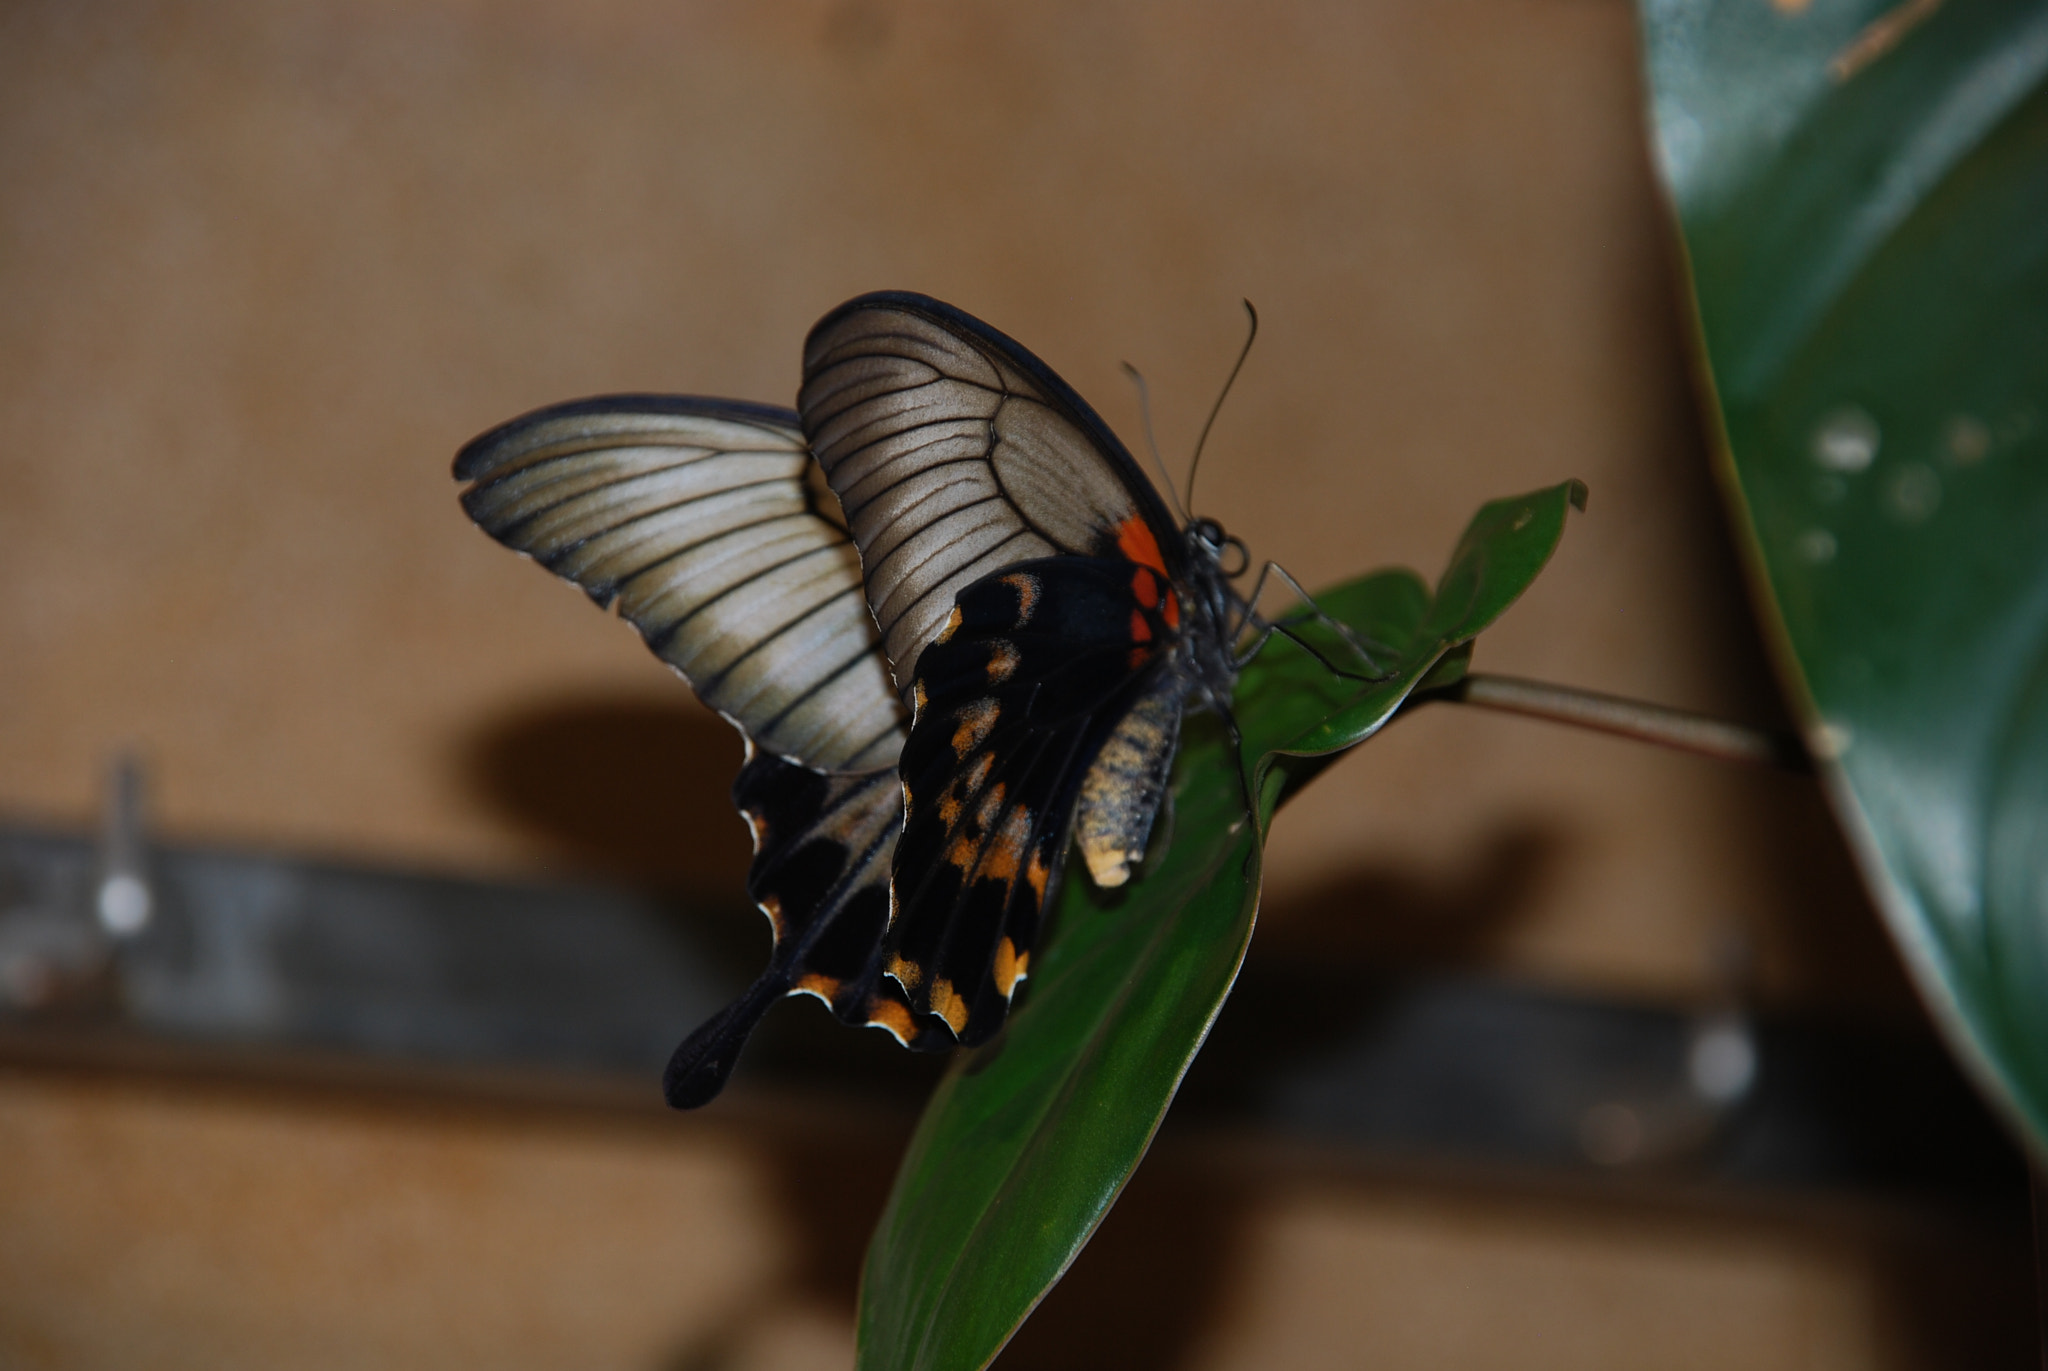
{"points": [[1122, 791]]}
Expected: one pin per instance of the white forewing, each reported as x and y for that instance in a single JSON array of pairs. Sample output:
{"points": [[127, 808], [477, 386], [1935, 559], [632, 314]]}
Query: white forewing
{"points": [[694, 517], [950, 461]]}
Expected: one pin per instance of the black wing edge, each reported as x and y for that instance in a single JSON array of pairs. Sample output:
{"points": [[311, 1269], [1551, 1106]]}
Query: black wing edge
{"points": [[481, 454], [1062, 396], [824, 846]]}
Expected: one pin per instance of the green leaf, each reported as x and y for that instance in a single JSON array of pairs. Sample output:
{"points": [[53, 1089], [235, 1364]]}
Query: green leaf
{"points": [[1028, 1140], [1863, 191]]}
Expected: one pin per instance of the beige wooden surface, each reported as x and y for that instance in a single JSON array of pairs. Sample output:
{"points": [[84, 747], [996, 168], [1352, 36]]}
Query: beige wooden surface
{"points": [[264, 266]]}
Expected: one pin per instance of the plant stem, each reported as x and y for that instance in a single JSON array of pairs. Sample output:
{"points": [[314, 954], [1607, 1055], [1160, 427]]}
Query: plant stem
{"points": [[1629, 718]]}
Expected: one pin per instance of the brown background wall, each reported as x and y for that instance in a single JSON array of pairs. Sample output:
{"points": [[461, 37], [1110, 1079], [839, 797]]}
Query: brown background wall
{"points": [[263, 268]]}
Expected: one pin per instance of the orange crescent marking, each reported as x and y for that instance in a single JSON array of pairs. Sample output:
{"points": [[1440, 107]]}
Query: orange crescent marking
{"points": [[824, 987], [1009, 967], [885, 1013], [948, 1005], [1026, 586], [1134, 538]]}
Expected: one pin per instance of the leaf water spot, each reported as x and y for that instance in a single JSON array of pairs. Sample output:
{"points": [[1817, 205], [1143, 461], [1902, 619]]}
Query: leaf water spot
{"points": [[1522, 521], [1846, 440], [1914, 493], [1965, 441], [1815, 545]]}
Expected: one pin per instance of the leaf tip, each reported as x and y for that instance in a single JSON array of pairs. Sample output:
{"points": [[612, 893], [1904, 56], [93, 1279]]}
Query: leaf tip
{"points": [[1577, 494]]}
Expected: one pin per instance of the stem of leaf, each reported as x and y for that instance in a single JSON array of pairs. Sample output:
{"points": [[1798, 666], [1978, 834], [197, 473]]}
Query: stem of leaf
{"points": [[1636, 719]]}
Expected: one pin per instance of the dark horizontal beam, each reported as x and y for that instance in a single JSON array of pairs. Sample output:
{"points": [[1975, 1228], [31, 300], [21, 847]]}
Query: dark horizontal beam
{"points": [[252, 958]]}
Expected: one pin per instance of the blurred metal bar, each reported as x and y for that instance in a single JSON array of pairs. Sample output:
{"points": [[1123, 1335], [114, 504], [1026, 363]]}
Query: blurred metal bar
{"points": [[248, 956]]}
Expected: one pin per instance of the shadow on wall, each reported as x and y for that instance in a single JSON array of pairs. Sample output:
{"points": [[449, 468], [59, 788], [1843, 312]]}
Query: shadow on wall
{"points": [[620, 787], [1141, 1297], [1390, 916]]}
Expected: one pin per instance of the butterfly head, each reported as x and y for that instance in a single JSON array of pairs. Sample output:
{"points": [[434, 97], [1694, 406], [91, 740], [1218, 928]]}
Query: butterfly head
{"points": [[1211, 546]]}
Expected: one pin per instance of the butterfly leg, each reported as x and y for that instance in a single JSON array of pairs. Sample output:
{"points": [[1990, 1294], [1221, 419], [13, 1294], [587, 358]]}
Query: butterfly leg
{"points": [[1267, 627]]}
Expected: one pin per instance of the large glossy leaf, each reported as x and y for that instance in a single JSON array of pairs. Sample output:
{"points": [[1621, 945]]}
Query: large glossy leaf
{"points": [[1028, 1140], [1863, 190]]}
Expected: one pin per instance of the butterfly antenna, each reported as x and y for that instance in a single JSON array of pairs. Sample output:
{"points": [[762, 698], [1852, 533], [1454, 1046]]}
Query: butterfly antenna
{"points": [[1152, 443], [1250, 336]]}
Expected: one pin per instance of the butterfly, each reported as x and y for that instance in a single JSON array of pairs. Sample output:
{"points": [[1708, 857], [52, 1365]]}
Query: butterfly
{"points": [[970, 655]]}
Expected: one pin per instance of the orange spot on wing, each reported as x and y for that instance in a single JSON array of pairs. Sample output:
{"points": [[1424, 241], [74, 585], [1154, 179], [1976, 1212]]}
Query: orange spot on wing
{"points": [[1170, 611], [963, 852], [1010, 967], [824, 987], [1026, 586], [1134, 538], [975, 721], [951, 627], [1006, 848], [1038, 873], [1145, 586], [1141, 631], [1002, 663], [886, 1013], [1140, 656], [907, 974], [948, 1005]]}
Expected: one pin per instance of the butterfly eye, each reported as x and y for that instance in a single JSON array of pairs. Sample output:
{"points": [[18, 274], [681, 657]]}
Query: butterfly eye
{"points": [[1244, 556], [1208, 533]]}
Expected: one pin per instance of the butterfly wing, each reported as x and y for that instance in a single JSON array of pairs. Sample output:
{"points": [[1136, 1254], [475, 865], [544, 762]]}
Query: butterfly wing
{"points": [[694, 518], [955, 453], [1022, 571], [1029, 699]]}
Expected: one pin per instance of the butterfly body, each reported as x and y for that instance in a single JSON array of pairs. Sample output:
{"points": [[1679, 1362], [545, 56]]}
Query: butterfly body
{"points": [[1031, 625]]}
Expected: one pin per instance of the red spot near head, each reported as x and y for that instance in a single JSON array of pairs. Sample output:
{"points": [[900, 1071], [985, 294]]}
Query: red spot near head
{"points": [[1134, 538], [1145, 586], [1141, 631], [1171, 610], [1140, 656]]}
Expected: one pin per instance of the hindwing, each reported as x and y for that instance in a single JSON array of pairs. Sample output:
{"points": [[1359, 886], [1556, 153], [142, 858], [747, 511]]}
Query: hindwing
{"points": [[695, 518], [1018, 699]]}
